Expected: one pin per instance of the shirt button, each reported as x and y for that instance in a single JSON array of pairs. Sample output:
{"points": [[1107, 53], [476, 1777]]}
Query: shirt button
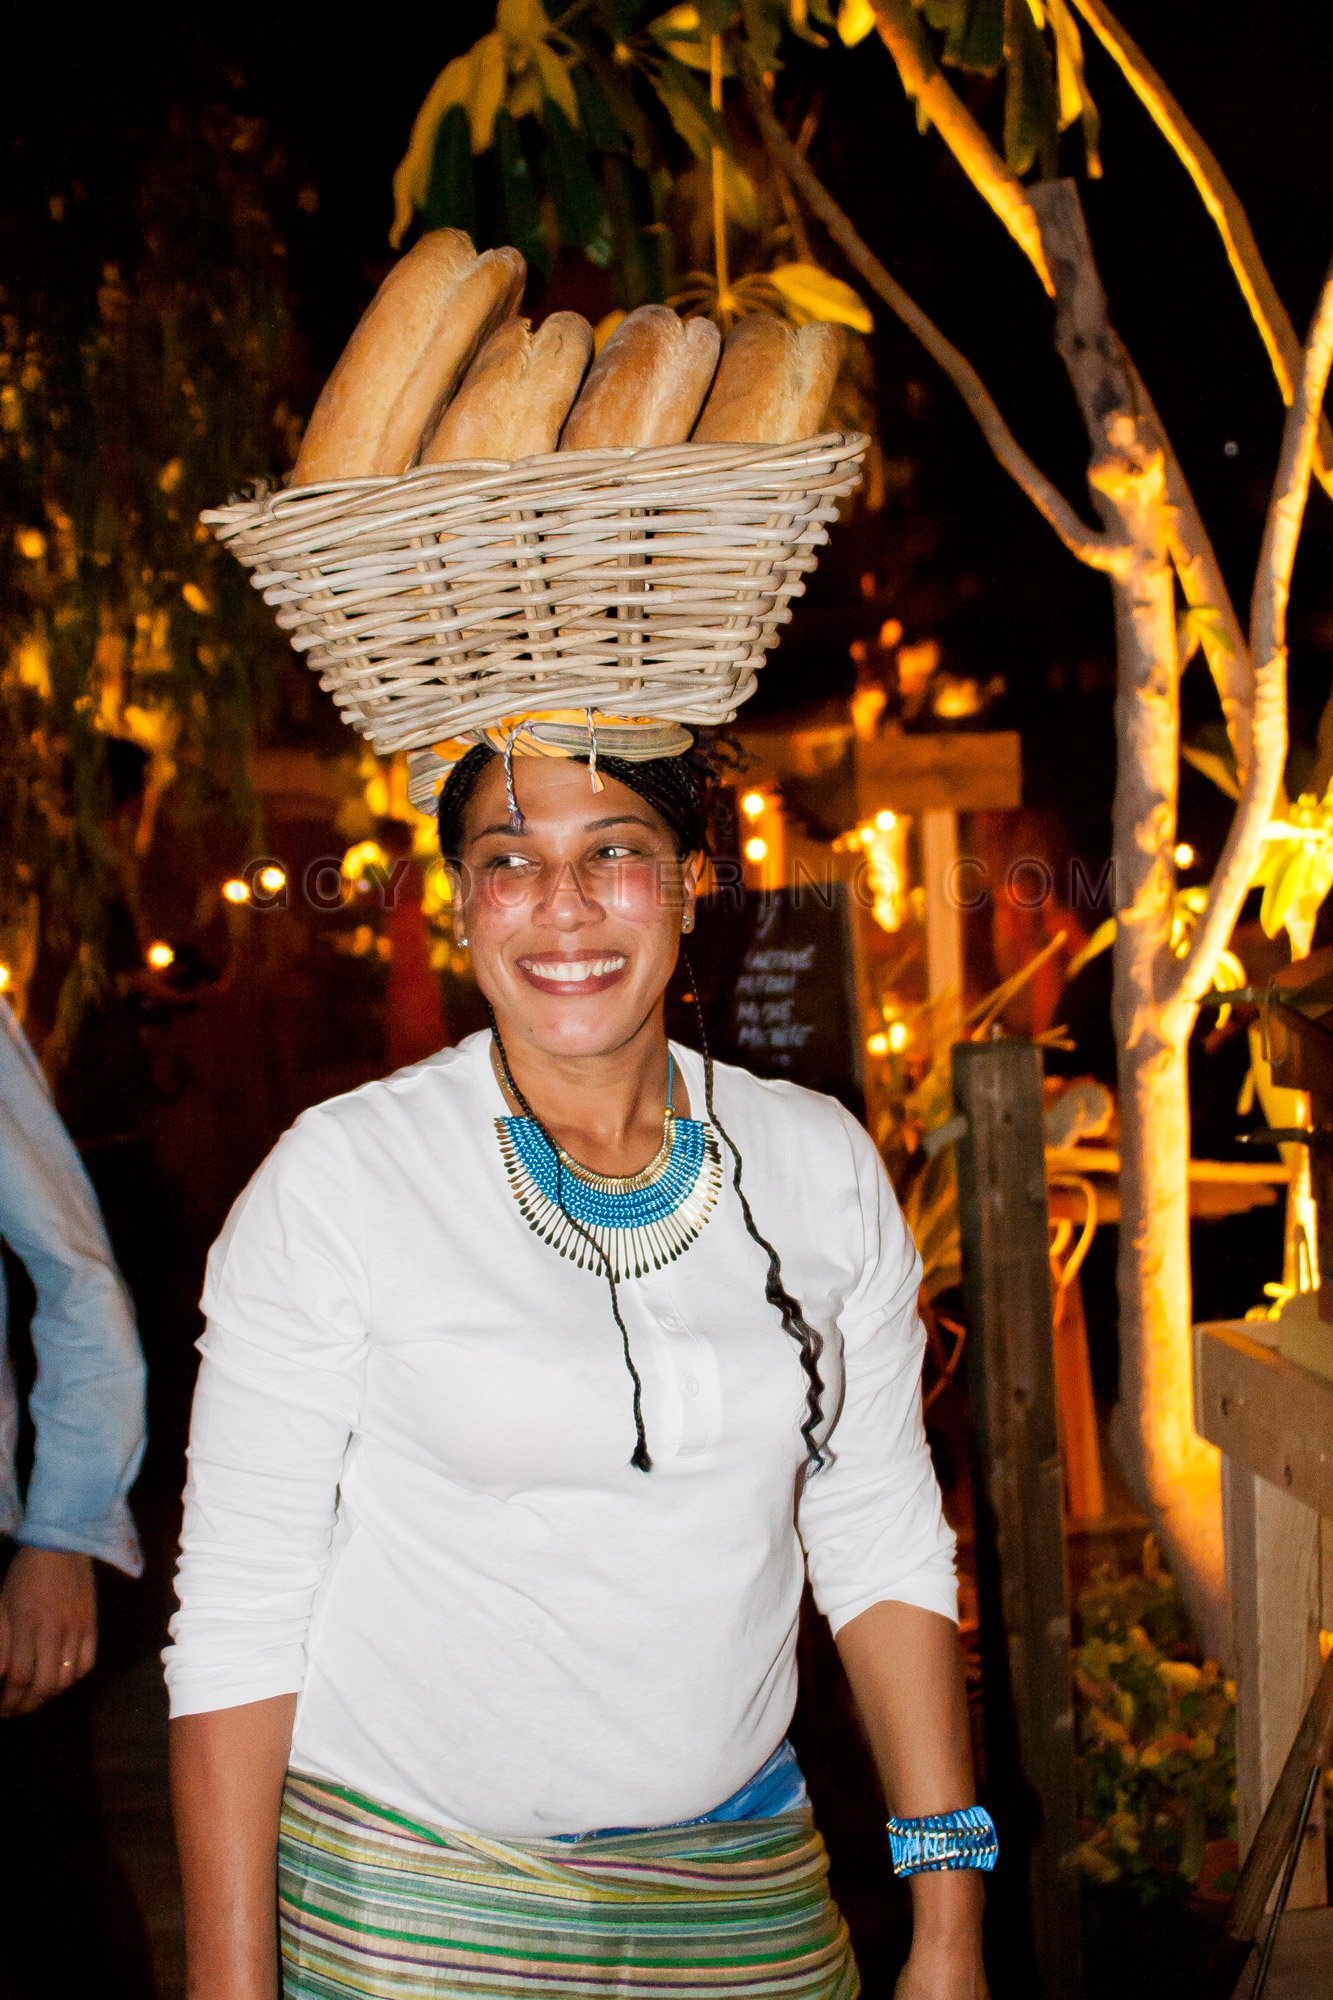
{"points": [[691, 1385], [672, 1325]]}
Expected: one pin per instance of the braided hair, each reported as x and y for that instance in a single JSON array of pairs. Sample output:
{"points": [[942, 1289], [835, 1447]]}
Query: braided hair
{"points": [[681, 790]]}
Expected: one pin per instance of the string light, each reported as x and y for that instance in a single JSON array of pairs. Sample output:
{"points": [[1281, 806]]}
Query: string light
{"points": [[272, 878], [899, 1036], [753, 804], [886, 820], [756, 848], [6, 979], [160, 955], [877, 1045], [236, 891], [1185, 856]]}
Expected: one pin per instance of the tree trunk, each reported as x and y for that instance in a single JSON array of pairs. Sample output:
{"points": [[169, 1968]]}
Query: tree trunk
{"points": [[1173, 1473]]}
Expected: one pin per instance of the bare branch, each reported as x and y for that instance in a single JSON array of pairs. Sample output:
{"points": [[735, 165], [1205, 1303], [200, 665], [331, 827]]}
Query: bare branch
{"points": [[1204, 588], [929, 88], [1092, 548], [1222, 203], [1268, 650]]}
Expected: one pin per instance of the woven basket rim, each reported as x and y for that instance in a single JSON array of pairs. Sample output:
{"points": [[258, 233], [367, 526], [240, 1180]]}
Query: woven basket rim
{"points": [[473, 477]]}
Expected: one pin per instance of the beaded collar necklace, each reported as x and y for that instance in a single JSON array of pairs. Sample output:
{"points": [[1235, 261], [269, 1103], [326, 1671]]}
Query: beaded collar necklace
{"points": [[639, 1221]]}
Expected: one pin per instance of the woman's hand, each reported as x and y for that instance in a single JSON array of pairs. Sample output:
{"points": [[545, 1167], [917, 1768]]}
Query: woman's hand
{"points": [[942, 1971]]}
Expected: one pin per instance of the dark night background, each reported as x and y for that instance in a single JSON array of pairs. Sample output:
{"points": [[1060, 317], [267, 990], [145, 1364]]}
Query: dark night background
{"points": [[89, 99]]}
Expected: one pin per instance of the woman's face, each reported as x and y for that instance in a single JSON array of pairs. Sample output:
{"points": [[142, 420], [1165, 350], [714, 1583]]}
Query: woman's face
{"points": [[573, 922]]}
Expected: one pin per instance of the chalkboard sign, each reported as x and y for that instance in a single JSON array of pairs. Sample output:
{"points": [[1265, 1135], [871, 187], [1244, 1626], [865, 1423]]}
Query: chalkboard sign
{"points": [[777, 981]]}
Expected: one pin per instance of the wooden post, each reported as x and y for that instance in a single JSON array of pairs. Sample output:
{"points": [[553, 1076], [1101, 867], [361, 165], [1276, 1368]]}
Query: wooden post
{"points": [[944, 922], [1020, 1533], [1272, 1543]]}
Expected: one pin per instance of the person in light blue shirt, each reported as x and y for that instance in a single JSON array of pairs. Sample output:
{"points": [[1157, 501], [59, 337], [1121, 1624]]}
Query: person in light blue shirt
{"points": [[87, 1401]]}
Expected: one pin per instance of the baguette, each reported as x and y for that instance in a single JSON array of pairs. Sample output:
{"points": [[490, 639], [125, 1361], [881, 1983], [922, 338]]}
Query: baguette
{"points": [[418, 334], [517, 393], [648, 383], [773, 385]]}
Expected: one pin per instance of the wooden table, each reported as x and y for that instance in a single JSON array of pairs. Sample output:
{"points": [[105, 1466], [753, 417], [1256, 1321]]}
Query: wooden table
{"points": [[1273, 1423]]}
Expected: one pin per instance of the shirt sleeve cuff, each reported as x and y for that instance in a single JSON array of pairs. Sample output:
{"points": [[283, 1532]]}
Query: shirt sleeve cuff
{"points": [[114, 1541], [931, 1590], [201, 1694]]}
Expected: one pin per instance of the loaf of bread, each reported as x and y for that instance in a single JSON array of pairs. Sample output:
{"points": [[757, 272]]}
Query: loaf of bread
{"points": [[773, 385], [419, 333], [647, 385], [517, 393]]}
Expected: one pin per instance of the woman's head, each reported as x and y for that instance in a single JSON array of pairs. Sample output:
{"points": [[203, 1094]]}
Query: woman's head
{"points": [[574, 919]]}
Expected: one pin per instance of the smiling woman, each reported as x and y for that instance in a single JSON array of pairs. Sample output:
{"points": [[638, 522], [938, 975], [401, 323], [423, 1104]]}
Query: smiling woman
{"points": [[493, 1660]]}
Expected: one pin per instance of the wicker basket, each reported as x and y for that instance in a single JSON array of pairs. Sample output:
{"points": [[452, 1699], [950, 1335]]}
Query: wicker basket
{"points": [[637, 582]]}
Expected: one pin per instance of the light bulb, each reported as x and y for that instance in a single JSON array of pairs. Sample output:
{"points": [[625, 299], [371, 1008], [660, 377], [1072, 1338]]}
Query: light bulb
{"points": [[1185, 855], [160, 955], [877, 1045], [272, 878], [752, 805], [899, 1036], [236, 891], [756, 848]]}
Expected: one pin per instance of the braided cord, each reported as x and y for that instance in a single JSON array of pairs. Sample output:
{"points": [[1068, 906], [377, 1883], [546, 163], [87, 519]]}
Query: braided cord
{"points": [[808, 1338], [641, 1457]]}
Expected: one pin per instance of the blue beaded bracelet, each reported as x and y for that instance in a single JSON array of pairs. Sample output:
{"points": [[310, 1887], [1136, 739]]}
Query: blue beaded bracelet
{"points": [[962, 1839]]}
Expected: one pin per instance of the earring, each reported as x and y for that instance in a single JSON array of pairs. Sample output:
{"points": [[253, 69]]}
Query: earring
{"points": [[462, 942], [687, 921]]}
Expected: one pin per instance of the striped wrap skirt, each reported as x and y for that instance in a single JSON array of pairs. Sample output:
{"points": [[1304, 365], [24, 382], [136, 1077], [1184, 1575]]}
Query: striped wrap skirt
{"points": [[376, 1906]]}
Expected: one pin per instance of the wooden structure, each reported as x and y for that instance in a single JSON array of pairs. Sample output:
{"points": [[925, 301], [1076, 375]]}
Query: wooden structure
{"points": [[1273, 1422], [1020, 1531], [931, 777]]}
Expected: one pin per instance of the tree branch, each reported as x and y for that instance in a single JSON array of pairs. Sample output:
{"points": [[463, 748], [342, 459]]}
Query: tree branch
{"points": [[927, 86], [1268, 650], [1223, 205], [1090, 547], [1204, 588]]}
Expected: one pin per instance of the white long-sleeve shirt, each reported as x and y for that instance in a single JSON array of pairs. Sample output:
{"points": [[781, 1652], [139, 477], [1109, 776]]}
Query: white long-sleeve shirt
{"points": [[410, 1497]]}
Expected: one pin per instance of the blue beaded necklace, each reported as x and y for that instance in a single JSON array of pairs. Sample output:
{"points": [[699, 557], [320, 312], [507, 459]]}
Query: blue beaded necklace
{"points": [[639, 1221]]}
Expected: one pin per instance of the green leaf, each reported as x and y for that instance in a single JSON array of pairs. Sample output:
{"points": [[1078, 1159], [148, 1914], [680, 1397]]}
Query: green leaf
{"points": [[412, 174], [1072, 84], [800, 16], [623, 107], [556, 81], [740, 194], [604, 132], [1031, 106], [856, 20], [522, 20], [1204, 625], [1214, 765], [522, 211], [978, 42], [816, 294], [579, 201], [687, 106], [450, 198], [763, 22], [1287, 885], [1101, 940], [486, 89]]}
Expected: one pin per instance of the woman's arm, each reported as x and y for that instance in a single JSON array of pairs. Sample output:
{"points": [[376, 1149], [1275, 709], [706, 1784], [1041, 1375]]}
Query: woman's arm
{"points": [[277, 1400], [906, 1673], [227, 1771]]}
